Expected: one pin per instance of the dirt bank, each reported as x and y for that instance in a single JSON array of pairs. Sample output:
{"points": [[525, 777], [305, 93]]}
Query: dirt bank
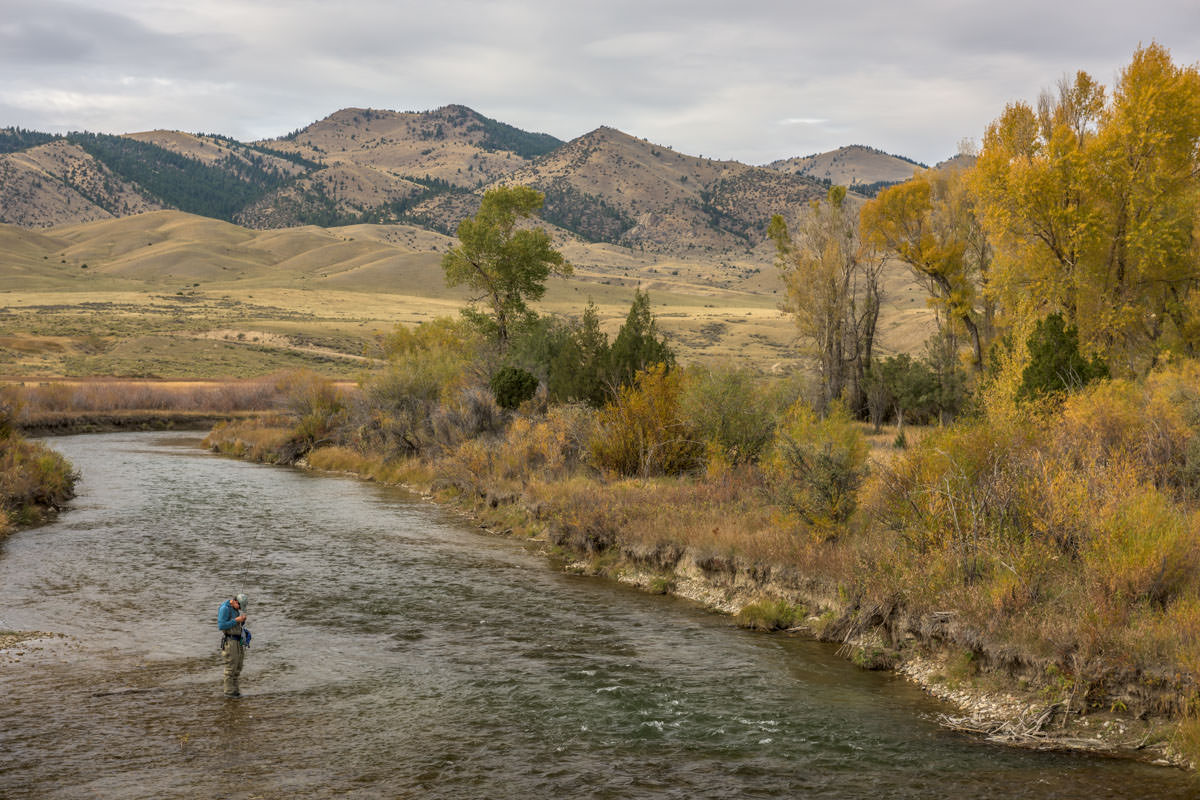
{"points": [[1007, 702]]}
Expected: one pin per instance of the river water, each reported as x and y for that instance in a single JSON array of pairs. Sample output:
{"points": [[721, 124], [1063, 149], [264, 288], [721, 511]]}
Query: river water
{"points": [[398, 653]]}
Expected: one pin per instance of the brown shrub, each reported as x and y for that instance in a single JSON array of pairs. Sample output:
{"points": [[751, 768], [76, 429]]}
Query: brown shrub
{"points": [[644, 432]]}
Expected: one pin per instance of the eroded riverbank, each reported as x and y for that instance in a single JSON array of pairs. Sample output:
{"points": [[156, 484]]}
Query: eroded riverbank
{"points": [[1005, 704]]}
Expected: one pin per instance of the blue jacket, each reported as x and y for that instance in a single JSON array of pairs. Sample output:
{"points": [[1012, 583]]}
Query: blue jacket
{"points": [[226, 616]]}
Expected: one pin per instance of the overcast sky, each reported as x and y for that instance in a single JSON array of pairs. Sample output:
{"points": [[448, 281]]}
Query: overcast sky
{"points": [[752, 81]]}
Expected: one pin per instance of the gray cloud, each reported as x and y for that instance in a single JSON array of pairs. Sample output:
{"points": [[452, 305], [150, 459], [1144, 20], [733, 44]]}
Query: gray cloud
{"points": [[63, 37], [705, 77]]}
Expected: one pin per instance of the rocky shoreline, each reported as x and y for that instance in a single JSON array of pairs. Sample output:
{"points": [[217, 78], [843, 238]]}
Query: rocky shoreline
{"points": [[14, 645]]}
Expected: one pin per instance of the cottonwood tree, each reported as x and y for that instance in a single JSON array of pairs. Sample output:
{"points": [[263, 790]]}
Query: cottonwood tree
{"points": [[1091, 202], [833, 291], [929, 223], [508, 264]]}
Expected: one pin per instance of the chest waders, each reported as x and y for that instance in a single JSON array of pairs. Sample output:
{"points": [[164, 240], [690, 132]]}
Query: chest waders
{"points": [[233, 653]]}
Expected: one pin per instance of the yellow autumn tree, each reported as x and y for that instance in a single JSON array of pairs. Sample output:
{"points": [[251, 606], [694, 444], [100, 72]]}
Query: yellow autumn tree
{"points": [[929, 223], [1090, 201], [833, 292]]}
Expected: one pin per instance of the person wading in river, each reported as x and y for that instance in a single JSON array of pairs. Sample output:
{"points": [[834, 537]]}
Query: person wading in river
{"points": [[231, 616]]}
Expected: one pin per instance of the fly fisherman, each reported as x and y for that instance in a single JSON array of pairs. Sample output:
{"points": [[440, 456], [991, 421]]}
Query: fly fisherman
{"points": [[231, 618]]}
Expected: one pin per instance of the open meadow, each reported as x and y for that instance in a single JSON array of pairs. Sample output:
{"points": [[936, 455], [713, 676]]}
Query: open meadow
{"points": [[174, 296]]}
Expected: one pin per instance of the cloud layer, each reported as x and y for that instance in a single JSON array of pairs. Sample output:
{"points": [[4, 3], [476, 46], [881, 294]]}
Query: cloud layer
{"points": [[748, 81]]}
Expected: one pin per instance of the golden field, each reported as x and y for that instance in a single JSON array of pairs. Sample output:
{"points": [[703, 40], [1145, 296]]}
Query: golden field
{"points": [[171, 295]]}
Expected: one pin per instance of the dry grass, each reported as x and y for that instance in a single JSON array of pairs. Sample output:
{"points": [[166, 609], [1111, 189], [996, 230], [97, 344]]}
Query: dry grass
{"points": [[260, 440], [154, 278], [50, 397], [1062, 544], [371, 466], [33, 480], [728, 518], [1069, 536]]}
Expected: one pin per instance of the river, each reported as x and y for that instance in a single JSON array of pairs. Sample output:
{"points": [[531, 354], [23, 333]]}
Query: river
{"points": [[398, 653]]}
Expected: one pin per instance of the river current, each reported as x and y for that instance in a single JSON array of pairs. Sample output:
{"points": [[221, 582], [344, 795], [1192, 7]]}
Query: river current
{"points": [[399, 653]]}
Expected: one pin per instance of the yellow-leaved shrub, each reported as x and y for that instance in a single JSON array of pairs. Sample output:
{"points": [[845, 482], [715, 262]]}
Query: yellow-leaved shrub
{"points": [[817, 465], [643, 431]]}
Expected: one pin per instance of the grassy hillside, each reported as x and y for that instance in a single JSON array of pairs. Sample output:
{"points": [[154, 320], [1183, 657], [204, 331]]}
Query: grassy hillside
{"points": [[609, 186], [83, 177], [218, 189], [61, 183], [426, 169], [173, 294], [336, 232]]}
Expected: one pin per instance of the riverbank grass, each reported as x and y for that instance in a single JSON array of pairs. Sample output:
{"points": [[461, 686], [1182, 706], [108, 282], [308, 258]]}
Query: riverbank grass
{"points": [[34, 480]]}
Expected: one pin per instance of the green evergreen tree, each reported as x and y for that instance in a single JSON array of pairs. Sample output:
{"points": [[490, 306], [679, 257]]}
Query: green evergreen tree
{"points": [[638, 344], [912, 385], [513, 386], [536, 342], [580, 369], [1055, 364]]}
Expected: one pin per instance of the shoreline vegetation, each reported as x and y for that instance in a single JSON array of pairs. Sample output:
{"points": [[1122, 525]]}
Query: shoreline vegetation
{"points": [[721, 536], [35, 481], [1035, 570]]}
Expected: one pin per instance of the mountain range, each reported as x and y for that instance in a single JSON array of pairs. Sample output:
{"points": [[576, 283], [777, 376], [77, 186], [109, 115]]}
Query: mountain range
{"points": [[127, 255], [429, 170]]}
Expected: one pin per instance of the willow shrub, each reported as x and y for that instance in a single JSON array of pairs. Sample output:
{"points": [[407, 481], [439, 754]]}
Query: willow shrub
{"points": [[548, 447], [255, 394], [644, 430], [470, 412], [1070, 520], [318, 406], [1144, 548], [817, 465], [731, 410], [429, 393], [1146, 427], [958, 483]]}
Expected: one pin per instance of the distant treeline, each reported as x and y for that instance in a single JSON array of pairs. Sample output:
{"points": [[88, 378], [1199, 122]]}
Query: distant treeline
{"points": [[872, 189], [13, 140]]}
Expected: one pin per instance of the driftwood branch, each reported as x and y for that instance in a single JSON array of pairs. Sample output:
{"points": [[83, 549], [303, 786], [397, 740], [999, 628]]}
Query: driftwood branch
{"points": [[1030, 730]]}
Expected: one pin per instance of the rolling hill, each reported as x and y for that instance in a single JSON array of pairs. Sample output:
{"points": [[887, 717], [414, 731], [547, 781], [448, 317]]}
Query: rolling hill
{"points": [[172, 294], [608, 186], [863, 169]]}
